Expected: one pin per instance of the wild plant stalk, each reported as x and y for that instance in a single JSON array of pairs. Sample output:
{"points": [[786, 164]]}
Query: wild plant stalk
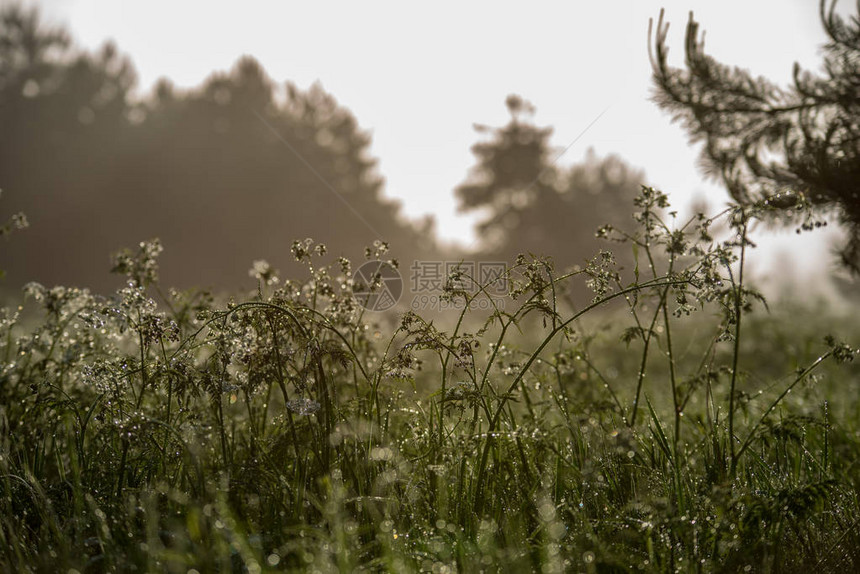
{"points": [[504, 397], [736, 352], [531, 473]]}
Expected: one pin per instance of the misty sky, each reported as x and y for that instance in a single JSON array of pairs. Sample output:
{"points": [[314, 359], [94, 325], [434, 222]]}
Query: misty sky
{"points": [[418, 76]]}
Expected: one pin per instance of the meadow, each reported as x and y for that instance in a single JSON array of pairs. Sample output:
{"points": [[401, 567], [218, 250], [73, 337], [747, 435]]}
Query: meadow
{"points": [[677, 422]]}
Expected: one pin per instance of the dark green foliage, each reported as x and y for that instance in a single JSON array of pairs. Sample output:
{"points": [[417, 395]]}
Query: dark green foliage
{"points": [[687, 427], [245, 166], [770, 144], [287, 431], [535, 206]]}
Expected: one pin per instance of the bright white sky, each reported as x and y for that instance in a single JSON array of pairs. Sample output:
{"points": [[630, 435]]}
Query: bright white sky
{"points": [[418, 76]]}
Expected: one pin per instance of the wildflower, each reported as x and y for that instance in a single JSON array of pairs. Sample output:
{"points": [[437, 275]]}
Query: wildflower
{"points": [[302, 249], [262, 271], [19, 221], [35, 290], [303, 406], [141, 268]]}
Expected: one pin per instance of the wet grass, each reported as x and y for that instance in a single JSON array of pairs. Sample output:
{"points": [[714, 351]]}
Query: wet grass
{"points": [[672, 424]]}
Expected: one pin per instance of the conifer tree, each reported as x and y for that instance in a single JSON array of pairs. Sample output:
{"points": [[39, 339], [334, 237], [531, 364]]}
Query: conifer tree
{"points": [[780, 145], [532, 204]]}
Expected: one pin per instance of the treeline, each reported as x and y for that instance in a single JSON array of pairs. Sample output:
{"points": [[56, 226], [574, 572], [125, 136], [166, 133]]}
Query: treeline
{"points": [[236, 169], [223, 174]]}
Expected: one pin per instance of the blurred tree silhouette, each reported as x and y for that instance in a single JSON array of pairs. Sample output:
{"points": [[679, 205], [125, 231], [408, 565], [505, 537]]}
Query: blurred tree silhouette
{"points": [[532, 205], [773, 144], [224, 174]]}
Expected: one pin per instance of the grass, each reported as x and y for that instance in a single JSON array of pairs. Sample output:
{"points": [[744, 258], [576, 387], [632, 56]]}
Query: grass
{"points": [[673, 424]]}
